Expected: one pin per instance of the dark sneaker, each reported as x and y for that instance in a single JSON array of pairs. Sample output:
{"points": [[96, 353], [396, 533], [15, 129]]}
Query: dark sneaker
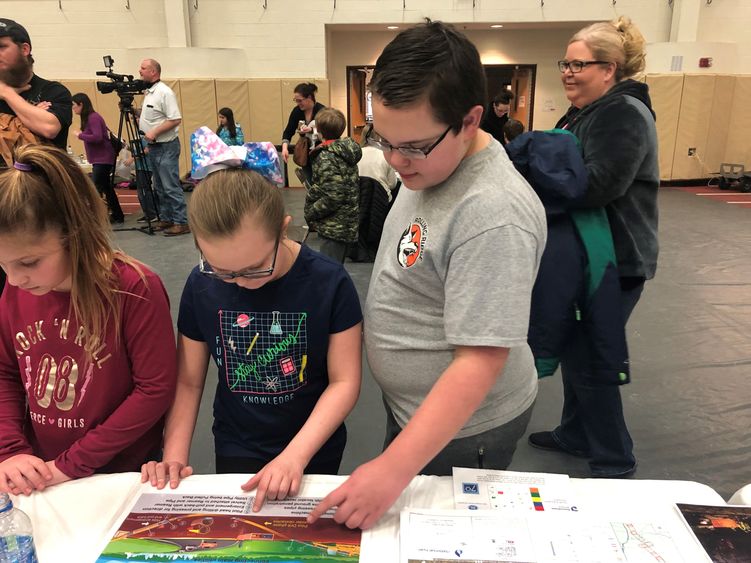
{"points": [[117, 220], [545, 441], [176, 230], [144, 219]]}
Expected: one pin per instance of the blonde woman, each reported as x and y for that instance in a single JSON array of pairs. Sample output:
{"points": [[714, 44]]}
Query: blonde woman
{"points": [[612, 116]]}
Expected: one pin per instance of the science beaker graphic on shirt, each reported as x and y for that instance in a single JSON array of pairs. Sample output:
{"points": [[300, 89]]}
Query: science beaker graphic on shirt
{"points": [[276, 327]]}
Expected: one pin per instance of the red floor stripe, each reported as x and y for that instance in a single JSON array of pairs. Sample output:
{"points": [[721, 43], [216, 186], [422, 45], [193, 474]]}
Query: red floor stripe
{"points": [[716, 194]]}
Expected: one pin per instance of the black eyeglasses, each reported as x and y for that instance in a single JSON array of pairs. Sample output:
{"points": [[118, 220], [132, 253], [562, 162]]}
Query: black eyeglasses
{"points": [[577, 65], [251, 273], [407, 152]]}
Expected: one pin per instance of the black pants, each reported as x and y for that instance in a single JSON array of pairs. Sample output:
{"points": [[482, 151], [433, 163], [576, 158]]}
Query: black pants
{"points": [[250, 465], [100, 174], [333, 248], [592, 420]]}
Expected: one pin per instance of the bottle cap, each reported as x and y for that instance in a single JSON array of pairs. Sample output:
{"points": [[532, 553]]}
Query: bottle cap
{"points": [[5, 503]]}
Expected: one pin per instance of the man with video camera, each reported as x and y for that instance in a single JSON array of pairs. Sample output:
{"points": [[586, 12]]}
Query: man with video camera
{"points": [[42, 106], [160, 121]]}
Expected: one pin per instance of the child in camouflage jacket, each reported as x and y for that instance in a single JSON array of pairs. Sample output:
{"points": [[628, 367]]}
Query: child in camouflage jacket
{"points": [[331, 205]]}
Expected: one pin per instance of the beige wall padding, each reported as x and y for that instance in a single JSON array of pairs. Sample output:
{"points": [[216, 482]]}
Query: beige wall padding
{"points": [[693, 125], [738, 148], [266, 119], [184, 158], [707, 111], [719, 123], [198, 109], [665, 91]]}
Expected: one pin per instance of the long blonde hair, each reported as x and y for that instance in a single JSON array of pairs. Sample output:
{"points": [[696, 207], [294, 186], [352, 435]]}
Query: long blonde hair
{"points": [[55, 195], [618, 41], [225, 197]]}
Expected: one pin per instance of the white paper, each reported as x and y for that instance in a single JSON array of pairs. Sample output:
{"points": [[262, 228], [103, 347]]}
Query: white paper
{"points": [[179, 503], [491, 536], [491, 489]]}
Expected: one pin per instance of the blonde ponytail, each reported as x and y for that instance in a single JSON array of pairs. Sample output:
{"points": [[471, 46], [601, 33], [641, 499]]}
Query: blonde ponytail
{"points": [[618, 41]]}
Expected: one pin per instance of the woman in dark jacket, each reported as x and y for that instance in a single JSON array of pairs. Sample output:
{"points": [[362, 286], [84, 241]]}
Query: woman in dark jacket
{"points": [[611, 114], [496, 116], [302, 121], [99, 152]]}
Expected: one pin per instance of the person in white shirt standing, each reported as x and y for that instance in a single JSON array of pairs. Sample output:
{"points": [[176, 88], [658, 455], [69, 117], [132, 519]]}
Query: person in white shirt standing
{"points": [[160, 122]]}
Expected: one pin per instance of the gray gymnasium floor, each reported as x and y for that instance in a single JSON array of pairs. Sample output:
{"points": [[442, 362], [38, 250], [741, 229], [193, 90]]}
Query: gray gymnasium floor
{"points": [[689, 406]]}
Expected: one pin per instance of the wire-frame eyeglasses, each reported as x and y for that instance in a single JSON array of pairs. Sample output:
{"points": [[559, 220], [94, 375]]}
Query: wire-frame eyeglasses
{"points": [[375, 140], [251, 273], [577, 65]]}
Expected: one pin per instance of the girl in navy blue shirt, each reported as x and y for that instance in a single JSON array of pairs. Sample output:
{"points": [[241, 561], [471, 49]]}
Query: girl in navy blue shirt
{"points": [[283, 325]]}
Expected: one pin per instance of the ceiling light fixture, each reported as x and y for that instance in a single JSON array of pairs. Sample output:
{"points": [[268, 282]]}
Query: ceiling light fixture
{"points": [[496, 26], [392, 27]]}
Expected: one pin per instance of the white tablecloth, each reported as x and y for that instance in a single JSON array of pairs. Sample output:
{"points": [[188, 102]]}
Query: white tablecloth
{"points": [[72, 522]]}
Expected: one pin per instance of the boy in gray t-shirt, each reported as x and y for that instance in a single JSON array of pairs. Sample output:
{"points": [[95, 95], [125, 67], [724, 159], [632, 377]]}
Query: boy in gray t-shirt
{"points": [[447, 312]]}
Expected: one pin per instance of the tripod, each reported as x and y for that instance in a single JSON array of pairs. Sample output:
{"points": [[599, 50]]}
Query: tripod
{"points": [[129, 124]]}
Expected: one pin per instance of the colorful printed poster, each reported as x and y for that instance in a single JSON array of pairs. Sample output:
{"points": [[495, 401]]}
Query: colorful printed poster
{"points": [[222, 528]]}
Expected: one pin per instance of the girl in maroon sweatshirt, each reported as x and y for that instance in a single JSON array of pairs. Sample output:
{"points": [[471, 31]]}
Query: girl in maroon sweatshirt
{"points": [[87, 349]]}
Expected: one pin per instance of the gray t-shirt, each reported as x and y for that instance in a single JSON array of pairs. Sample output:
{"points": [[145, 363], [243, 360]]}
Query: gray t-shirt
{"points": [[455, 267]]}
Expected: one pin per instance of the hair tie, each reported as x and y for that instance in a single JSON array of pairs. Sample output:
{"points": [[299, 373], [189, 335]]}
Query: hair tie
{"points": [[23, 167]]}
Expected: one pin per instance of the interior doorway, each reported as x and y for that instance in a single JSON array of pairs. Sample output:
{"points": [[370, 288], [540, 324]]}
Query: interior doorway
{"points": [[520, 80], [359, 108]]}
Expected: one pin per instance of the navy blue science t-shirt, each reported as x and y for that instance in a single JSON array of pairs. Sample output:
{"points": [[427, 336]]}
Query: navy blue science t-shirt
{"points": [[270, 345]]}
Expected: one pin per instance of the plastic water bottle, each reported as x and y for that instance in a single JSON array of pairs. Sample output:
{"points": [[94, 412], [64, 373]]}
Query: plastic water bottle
{"points": [[70, 151], [16, 540]]}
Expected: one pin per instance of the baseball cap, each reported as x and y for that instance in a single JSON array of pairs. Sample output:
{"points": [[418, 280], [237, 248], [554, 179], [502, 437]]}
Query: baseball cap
{"points": [[17, 32]]}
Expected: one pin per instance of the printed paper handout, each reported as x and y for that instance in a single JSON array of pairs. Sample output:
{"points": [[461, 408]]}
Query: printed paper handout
{"points": [[723, 531], [491, 536], [219, 528], [511, 490], [508, 516]]}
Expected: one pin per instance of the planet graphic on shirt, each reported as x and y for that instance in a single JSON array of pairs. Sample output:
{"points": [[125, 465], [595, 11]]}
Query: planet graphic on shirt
{"points": [[242, 321]]}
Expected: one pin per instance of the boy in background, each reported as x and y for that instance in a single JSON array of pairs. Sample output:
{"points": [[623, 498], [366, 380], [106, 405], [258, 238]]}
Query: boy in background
{"points": [[447, 311], [512, 129], [331, 204]]}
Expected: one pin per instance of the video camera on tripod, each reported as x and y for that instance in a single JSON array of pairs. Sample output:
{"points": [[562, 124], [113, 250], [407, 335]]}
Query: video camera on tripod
{"points": [[124, 84]]}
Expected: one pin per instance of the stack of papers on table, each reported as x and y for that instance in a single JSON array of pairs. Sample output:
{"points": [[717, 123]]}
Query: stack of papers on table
{"points": [[505, 516]]}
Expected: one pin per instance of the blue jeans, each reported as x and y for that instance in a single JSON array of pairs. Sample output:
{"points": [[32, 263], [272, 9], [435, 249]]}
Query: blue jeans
{"points": [[164, 163], [592, 420]]}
